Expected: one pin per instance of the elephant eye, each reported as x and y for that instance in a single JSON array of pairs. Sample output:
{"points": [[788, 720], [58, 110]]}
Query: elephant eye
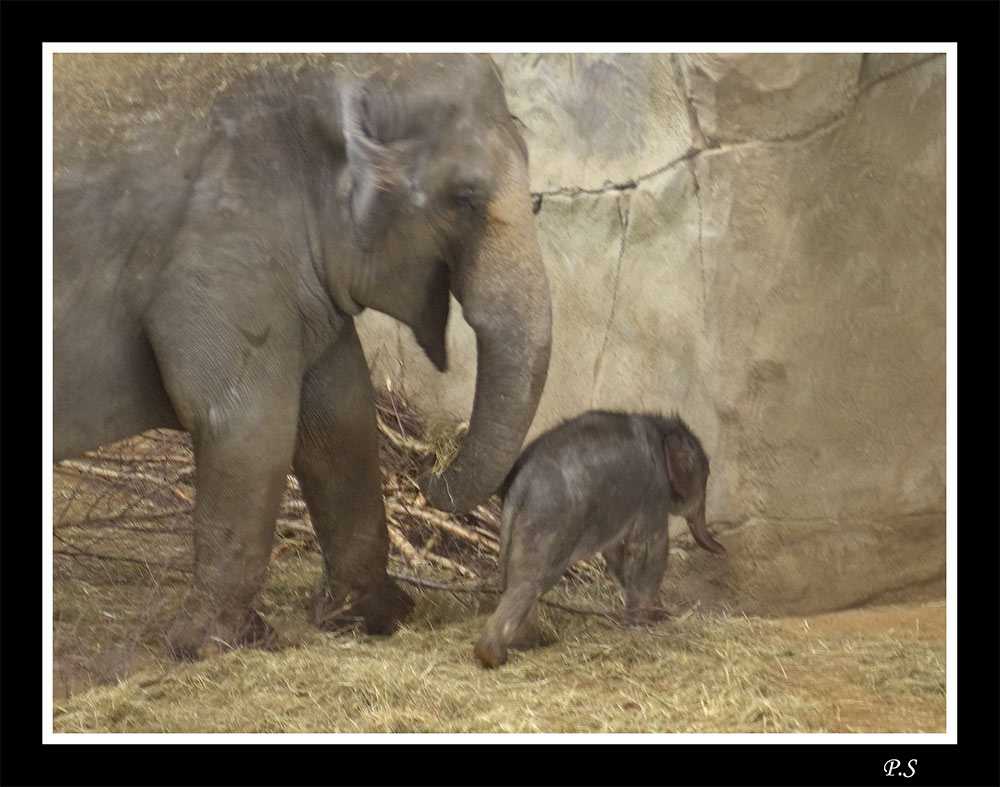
{"points": [[470, 198]]}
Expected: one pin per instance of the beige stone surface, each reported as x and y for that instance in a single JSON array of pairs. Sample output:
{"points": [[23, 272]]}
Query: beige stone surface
{"points": [[783, 288], [592, 119], [740, 97], [876, 66]]}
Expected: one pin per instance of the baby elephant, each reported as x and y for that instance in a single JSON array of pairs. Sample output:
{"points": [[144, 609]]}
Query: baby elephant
{"points": [[601, 482]]}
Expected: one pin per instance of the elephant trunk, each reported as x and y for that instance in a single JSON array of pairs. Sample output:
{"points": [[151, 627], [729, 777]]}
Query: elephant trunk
{"points": [[696, 523], [505, 298]]}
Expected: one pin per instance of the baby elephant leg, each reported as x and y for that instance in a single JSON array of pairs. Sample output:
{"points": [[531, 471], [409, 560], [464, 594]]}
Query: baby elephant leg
{"points": [[640, 567], [511, 625], [534, 560], [528, 634]]}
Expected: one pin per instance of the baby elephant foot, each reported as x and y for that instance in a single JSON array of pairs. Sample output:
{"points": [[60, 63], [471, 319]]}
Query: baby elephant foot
{"points": [[491, 649], [190, 640], [490, 653], [529, 635], [378, 611]]}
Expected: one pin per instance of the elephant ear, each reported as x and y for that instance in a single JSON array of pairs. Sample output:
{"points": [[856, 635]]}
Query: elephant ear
{"points": [[682, 466], [377, 159], [380, 160]]}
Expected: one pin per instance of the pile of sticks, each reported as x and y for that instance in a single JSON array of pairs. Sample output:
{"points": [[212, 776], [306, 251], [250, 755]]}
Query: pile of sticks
{"points": [[145, 486], [462, 545]]}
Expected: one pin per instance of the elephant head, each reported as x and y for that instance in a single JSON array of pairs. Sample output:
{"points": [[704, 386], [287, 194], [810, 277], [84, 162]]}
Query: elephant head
{"points": [[687, 470], [436, 195]]}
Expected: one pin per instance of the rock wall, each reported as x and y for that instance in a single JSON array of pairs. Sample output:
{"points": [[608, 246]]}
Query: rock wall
{"points": [[756, 241]]}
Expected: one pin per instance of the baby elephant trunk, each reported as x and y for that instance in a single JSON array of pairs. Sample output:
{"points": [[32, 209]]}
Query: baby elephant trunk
{"points": [[696, 521]]}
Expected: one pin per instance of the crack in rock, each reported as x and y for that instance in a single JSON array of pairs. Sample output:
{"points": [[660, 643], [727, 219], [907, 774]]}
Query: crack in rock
{"points": [[698, 140], [701, 246], [609, 187], [623, 219], [704, 145]]}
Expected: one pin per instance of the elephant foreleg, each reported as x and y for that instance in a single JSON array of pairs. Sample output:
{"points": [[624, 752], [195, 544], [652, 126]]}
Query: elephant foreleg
{"points": [[240, 480], [336, 461], [233, 379], [641, 563]]}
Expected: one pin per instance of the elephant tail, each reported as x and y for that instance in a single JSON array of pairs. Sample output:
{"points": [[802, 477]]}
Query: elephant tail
{"points": [[508, 480], [512, 502], [506, 526]]}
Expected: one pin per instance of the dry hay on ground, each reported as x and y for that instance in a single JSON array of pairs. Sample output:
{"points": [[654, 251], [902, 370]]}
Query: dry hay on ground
{"points": [[706, 674], [122, 563]]}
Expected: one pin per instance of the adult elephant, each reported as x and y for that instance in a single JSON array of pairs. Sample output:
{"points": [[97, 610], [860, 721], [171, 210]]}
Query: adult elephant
{"points": [[217, 222]]}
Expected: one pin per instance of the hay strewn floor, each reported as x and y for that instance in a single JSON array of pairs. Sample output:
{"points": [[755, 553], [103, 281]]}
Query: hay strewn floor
{"points": [[123, 555], [707, 673]]}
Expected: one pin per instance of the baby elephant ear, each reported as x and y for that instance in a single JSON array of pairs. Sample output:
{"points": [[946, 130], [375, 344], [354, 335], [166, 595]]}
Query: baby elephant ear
{"points": [[682, 466]]}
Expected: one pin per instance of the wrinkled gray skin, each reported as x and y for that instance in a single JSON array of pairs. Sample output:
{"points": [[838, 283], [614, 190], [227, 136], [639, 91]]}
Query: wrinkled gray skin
{"points": [[217, 224], [601, 482]]}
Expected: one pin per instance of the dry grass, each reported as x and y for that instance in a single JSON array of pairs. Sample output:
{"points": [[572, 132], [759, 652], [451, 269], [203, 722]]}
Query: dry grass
{"points": [[708, 673], [122, 565]]}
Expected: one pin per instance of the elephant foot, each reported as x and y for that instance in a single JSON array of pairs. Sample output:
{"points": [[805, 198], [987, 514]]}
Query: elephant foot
{"points": [[190, 640], [529, 635], [490, 654], [491, 650], [377, 611]]}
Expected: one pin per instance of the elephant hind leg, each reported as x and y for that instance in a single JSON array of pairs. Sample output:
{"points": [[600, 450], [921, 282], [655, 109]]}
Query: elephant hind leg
{"points": [[536, 557], [336, 461], [513, 624], [528, 633]]}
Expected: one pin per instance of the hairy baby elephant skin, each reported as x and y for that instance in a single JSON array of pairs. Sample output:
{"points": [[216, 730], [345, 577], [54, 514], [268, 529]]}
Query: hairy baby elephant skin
{"points": [[601, 482]]}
